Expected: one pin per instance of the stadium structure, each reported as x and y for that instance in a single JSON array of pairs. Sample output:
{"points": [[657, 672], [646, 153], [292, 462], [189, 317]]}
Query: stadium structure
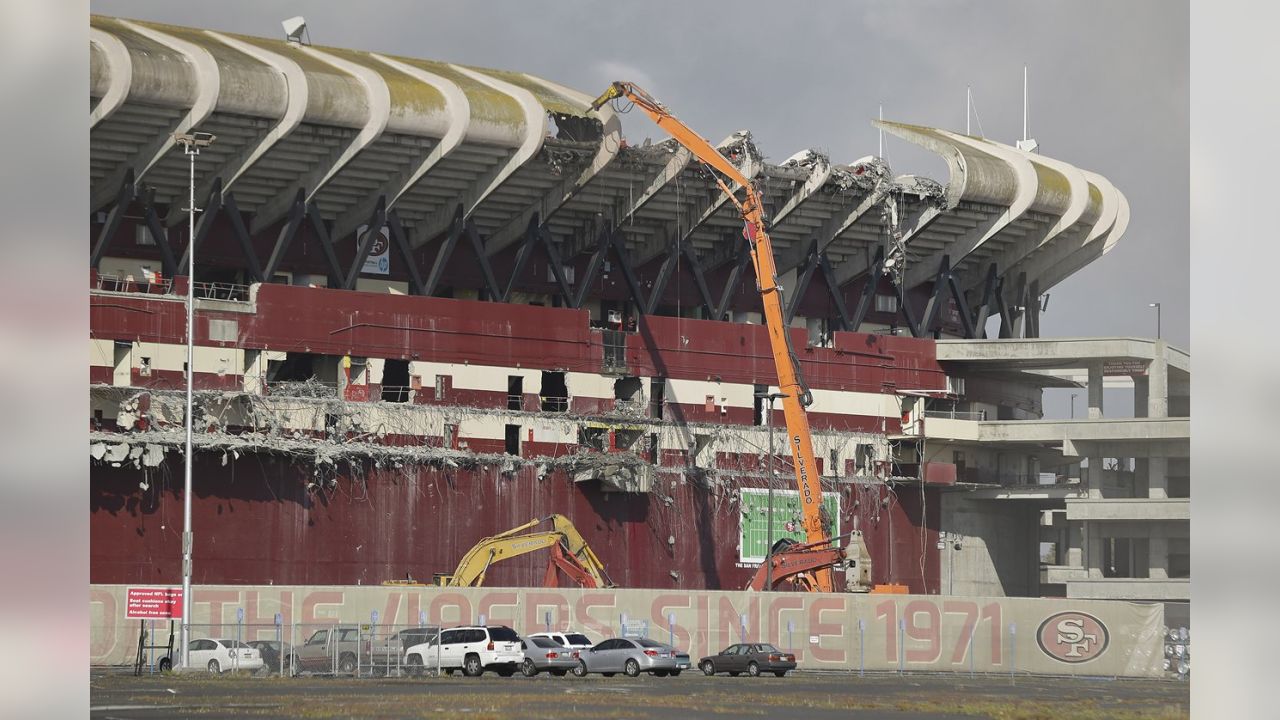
{"points": [[434, 301]]}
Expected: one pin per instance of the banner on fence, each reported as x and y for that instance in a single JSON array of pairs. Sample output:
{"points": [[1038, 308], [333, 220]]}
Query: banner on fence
{"points": [[825, 631]]}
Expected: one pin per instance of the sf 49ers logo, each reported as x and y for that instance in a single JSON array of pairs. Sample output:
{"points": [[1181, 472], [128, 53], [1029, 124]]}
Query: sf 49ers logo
{"points": [[1073, 637]]}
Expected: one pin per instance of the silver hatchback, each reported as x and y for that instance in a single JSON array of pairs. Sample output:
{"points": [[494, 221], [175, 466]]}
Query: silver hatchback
{"points": [[631, 656], [542, 653]]}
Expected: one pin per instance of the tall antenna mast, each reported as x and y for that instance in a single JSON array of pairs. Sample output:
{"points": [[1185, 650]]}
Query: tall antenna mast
{"points": [[1025, 104], [968, 107], [881, 153], [1026, 143]]}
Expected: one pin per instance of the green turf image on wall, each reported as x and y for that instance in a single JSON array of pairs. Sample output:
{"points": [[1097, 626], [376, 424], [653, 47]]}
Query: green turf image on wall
{"points": [[753, 543]]}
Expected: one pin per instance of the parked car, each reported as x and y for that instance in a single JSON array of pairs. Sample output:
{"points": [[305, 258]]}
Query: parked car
{"points": [[570, 639], [330, 650], [543, 653], [272, 651], [631, 656], [751, 658], [472, 649], [219, 656], [389, 651]]}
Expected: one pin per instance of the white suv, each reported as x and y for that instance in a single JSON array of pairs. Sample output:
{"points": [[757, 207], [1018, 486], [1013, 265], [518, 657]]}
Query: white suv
{"points": [[571, 640], [473, 649]]}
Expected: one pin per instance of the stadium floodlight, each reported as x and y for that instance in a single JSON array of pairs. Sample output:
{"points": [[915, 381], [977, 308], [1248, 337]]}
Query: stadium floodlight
{"points": [[294, 28], [191, 144]]}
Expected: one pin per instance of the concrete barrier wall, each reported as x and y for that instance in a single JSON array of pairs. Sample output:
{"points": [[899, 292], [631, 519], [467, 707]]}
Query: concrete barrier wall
{"points": [[836, 631]]}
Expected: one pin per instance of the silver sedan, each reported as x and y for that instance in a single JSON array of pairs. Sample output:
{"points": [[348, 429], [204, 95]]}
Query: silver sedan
{"points": [[632, 656], [542, 653]]}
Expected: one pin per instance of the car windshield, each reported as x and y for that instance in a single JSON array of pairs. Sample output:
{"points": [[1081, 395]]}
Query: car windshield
{"points": [[577, 639], [767, 648], [646, 642], [503, 634], [545, 642]]}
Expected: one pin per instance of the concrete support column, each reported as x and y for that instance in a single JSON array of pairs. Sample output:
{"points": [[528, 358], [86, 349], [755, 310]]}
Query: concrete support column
{"points": [[1158, 379], [1158, 477], [1140, 388], [1158, 557], [255, 371], [1095, 391], [1093, 550], [1075, 546]]}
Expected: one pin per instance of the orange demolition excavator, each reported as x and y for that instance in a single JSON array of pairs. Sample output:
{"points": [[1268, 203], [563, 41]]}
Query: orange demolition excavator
{"points": [[796, 396]]}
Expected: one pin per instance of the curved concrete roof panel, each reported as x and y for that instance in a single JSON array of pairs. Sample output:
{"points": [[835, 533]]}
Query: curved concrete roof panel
{"points": [[246, 86], [976, 175], [496, 117], [334, 97], [159, 74], [416, 108]]}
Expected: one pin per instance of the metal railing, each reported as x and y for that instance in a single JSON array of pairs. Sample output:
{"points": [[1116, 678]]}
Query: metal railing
{"points": [[978, 415], [115, 283], [222, 291]]}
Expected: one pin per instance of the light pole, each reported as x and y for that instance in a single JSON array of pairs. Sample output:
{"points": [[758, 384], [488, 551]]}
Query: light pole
{"points": [[191, 145], [1156, 305], [1073, 406], [773, 478]]}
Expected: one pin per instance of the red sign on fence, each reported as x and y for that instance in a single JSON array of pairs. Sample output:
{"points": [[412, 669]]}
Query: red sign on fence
{"points": [[154, 603]]}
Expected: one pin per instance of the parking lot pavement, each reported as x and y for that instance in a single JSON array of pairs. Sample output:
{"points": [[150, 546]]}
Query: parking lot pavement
{"points": [[817, 696]]}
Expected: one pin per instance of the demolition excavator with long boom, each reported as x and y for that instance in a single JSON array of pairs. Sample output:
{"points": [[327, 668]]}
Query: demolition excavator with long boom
{"points": [[796, 395]]}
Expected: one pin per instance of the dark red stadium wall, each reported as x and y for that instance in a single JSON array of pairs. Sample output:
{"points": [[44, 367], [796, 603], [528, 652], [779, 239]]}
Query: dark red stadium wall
{"points": [[257, 521]]}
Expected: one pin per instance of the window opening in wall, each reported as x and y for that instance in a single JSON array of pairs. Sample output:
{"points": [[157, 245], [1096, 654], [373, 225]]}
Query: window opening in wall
{"points": [[144, 367], [658, 395], [513, 440], [834, 468], [626, 438], [887, 303], [554, 391], [1049, 553], [957, 457], [862, 457], [450, 439], [696, 447], [515, 392], [593, 437], [653, 448], [296, 367], [395, 380], [1179, 560], [627, 394], [761, 407], [439, 387]]}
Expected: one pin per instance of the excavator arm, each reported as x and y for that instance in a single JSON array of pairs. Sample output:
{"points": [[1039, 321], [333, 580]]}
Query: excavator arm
{"points": [[570, 553], [796, 396]]}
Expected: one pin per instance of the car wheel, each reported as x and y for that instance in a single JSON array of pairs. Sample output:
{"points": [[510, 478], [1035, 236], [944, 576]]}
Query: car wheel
{"points": [[560, 672], [528, 668], [415, 666], [659, 673], [165, 665], [780, 673], [708, 668], [347, 664], [753, 669], [214, 667], [632, 668], [581, 669], [471, 666]]}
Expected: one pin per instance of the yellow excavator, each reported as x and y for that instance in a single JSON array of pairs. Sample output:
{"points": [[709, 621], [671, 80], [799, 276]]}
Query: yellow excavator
{"points": [[796, 396], [570, 554]]}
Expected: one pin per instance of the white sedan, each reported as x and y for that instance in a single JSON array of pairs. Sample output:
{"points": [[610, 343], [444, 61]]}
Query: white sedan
{"points": [[224, 655]]}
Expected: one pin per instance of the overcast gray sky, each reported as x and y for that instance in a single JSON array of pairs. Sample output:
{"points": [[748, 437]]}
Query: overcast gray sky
{"points": [[1109, 91]]}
